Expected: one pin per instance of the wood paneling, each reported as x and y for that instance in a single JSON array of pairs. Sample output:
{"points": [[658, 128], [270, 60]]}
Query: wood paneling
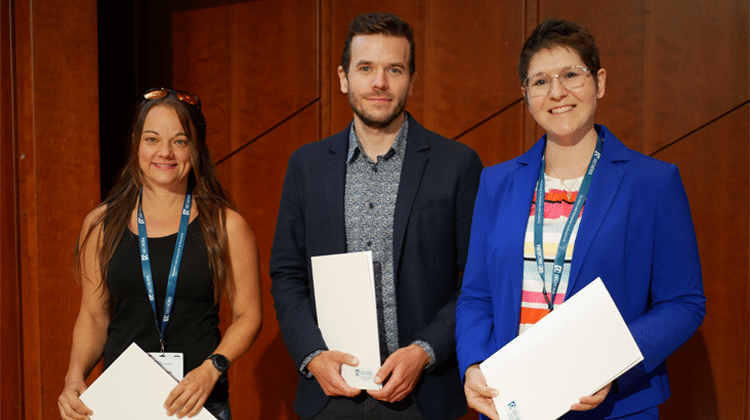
{"points": [[58, 172], [252, 64], [468, 64], [696, 66], [266, 375], [500, 138], [708, 374], [10, 328]]}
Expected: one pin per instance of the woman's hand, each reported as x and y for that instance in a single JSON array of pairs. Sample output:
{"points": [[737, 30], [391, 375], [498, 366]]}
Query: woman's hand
{"points": [[478, 394], [589, 403], [69, 403], [187, 398]]}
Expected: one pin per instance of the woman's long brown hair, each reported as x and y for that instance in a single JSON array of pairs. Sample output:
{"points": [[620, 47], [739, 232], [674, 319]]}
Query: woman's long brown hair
{"points": [[208, 194]]}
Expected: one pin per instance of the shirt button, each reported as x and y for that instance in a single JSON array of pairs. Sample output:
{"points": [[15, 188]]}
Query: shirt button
{"points": [[372, 205], [374, 168], [369, 243]]}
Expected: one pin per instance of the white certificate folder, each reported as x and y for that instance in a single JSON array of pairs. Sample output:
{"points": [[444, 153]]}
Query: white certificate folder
{"points": [[344, 289], [577, 349], [133, 387]]}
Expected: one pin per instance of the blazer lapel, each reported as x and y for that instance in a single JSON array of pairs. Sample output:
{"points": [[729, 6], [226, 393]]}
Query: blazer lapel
{"points": [[522, 187], [415, 159], [334, 188], [604, 186]]}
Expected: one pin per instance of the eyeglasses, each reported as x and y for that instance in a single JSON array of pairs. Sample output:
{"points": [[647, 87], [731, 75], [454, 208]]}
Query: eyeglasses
{"points": [[571, 78], [187, 97]]}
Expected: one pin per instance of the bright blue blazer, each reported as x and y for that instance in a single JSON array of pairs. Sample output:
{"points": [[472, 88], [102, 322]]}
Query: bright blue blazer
{"points": [[636, 233]]}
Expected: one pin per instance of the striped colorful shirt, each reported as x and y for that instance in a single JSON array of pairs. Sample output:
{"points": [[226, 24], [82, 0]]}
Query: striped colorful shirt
{"points": [[558, 203]]}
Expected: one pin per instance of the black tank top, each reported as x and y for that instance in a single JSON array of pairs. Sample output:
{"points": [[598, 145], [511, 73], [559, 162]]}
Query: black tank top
{"points": [[194, 325]]}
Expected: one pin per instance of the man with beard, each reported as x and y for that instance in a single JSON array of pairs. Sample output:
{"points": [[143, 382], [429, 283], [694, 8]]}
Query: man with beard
{"points": [[387, 185]]}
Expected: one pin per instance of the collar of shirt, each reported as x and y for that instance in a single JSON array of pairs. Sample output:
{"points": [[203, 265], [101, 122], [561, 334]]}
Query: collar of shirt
{"points": [[398, 147]]}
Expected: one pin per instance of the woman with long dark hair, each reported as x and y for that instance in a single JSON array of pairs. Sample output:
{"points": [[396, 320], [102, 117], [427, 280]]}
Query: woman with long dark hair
{"points": [[155, 258]]}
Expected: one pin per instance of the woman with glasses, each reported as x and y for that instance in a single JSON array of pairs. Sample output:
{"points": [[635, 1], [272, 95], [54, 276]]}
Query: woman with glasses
{"points": [[162, 249], [578, 205]]}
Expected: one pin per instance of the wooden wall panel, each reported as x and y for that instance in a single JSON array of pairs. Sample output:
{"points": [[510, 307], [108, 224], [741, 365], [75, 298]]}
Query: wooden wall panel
{"points": [[27, 214], [696, 66], [10, 328], [263, 382], [499, 138], [201, 60], [252, 64], [469, 63], [708, 375], [56, 72]]}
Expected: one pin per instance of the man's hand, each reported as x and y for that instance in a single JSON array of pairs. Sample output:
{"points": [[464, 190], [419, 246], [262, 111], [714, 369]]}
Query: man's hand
{"points": [[589, 403], [478, 394], [402, 370], [326, 368]]}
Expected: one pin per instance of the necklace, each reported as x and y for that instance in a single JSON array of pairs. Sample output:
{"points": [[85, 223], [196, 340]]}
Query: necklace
{"points": [[568, 189]]}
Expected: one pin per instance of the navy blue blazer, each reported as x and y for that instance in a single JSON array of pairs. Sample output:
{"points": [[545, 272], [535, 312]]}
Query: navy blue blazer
{"points": [[432, 222], [636, 233]]}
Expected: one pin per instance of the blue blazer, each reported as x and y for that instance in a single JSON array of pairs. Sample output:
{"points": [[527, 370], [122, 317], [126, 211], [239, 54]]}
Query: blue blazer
{"points": [[432, 222], [636, 233]]}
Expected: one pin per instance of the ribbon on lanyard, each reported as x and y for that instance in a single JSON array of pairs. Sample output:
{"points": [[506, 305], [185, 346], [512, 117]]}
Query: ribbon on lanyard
{"points": [[176, 258], [557, 268]]}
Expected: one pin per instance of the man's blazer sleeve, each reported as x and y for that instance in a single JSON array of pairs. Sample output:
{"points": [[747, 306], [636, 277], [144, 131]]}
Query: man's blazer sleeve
{"points": [[289, 267]]}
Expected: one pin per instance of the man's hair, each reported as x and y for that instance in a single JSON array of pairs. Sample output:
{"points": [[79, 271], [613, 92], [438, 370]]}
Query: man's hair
{"points": [[555, 32], [378, 23]]}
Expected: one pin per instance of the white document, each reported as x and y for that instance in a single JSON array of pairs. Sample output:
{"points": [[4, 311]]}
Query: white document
{"points": [[577, 349], [347, 312], [133, 387]]}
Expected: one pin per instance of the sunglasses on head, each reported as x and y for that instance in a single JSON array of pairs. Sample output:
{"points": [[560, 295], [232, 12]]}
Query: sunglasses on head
{"points": [[187, 97]]}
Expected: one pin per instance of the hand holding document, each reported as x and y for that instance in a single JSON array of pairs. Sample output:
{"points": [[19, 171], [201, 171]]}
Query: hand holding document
{"points": [[133, 387], [573, 352], [344, 290]]}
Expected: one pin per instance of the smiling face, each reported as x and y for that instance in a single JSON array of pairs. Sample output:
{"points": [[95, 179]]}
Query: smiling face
{"points": [[378, 80], [164, 150], [567, 115]]}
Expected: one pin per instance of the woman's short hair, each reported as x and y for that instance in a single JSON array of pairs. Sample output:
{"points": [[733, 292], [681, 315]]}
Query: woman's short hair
{"points": [[556, 32]]}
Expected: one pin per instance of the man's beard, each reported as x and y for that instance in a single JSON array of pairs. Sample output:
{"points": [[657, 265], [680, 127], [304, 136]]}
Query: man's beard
{"points": [[372, 121]]}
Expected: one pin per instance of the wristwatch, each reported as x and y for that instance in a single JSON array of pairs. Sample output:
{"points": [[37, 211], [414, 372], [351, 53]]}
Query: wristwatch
{"points": [[221, 363]]}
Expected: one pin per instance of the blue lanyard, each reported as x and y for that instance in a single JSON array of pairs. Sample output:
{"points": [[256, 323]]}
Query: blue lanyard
{"points": [[557, 269], [176, 258]]}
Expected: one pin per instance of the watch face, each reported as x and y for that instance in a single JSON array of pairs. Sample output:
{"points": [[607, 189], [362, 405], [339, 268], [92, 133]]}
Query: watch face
{"points": [[220, 361]]}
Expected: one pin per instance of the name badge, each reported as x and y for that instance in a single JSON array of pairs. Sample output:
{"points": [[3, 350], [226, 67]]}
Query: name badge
{"points": [[171, 362]]}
